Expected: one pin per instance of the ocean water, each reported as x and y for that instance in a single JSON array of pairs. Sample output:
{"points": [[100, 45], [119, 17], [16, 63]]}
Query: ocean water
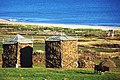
{"points": [[85, 12]]}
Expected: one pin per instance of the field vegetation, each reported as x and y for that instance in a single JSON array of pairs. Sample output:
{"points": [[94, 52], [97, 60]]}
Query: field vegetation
{"points": [[90, 42]]}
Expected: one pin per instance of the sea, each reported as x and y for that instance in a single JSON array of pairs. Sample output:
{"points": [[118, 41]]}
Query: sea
{"points": [[83, 12]]}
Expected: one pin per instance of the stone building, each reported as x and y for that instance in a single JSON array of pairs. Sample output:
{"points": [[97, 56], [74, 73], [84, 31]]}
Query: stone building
{"points": [[17, 52], [61, 52]]}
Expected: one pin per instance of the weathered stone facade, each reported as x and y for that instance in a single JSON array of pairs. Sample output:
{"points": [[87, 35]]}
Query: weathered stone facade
{"points": [[69, 54], [61, 53], [17, 53], [9, 55]]}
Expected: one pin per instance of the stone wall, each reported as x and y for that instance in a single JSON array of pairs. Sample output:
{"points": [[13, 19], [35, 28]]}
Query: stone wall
{"points": [[17, 53], [9, 55], [24, 54], [53, 54], [61, 54], [69, 54]]}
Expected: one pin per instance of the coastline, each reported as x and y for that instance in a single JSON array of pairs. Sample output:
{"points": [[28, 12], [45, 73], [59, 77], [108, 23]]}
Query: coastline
{"points": [[73, 26]]}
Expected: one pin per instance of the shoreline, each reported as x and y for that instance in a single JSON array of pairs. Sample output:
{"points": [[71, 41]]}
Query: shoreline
{"points": [[72, 26]]}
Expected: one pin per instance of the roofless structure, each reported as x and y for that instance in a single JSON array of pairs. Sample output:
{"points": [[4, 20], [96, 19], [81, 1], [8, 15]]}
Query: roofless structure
{"points": [[61, 52], [17, 52]]}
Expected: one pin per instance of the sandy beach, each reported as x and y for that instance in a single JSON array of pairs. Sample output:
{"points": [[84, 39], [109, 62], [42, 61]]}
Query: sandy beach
{"points": [[73, 26]]}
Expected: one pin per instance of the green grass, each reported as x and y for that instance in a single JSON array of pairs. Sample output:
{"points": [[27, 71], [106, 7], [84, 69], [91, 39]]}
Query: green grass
{"points": [[54, 74], [39, 46], [107, 50]]}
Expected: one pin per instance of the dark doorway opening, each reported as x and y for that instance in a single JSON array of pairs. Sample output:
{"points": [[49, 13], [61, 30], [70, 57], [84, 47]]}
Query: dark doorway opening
{"points": [[26, 57]]}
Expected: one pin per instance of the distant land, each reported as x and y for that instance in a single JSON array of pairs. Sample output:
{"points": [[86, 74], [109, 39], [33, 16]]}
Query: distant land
{"points": [[73, 26]]}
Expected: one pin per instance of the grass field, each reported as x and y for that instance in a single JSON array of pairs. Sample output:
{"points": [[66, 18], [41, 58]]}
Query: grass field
{"points": [[55, 74]]}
